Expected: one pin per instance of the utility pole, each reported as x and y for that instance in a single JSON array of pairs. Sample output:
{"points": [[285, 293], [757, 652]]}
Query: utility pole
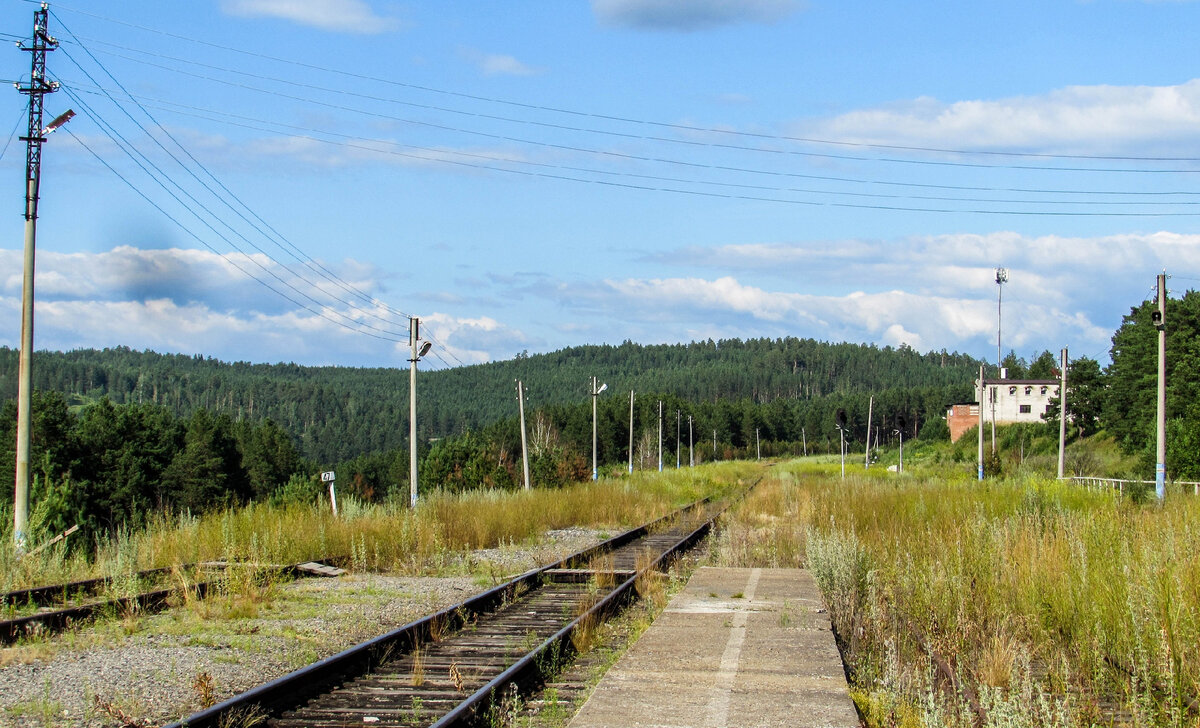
{"points": [[660, 435], [595, 395], [757, 446], [414, 335], [1159, 318], [714, 445], [631, 432], [804, 441], [980, 393], [1001, 279], [524, 440], [870, 412], [678, 439], [691, 448], [38, 87], [1062, 413]]}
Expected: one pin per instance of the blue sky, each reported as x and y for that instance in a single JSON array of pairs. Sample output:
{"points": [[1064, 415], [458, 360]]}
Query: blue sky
{"points": [[530, 176]]}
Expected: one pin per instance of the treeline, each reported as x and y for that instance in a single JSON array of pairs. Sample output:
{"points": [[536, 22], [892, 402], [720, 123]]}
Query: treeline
{"points": [[337, 413]]}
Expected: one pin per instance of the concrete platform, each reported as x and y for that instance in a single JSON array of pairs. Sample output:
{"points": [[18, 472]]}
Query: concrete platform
{"points": [[738, 647]]}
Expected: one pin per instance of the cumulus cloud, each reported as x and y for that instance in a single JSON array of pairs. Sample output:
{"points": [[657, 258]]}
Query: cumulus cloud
{"points": [[195, 301], [892, 317], [1082, 119], [690, 15], [342, 16], [499, 64]]}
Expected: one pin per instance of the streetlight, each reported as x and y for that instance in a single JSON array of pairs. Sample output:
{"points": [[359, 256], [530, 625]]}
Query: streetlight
{"points": [[595, 394], [900, 422], [37, 88], [414, 331], [524, 439]]}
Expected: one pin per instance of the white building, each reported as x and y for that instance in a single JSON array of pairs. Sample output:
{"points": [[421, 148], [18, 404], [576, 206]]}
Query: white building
{"points": [[1005, 402]]}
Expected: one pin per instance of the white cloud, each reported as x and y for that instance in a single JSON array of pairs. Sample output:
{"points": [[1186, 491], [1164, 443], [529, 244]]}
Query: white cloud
{"points": [[963, 323], [343, 16], [501, 65], [1078, 119], [196, 301], [690, 15]]}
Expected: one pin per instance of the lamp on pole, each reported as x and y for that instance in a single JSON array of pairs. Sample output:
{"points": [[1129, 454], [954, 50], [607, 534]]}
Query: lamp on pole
{"points": [[418, 351], [900, 423], [37, 87], [841, 427], [595, 394], [524, 438]]}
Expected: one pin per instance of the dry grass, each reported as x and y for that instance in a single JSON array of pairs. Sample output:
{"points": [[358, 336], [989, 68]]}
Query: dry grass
{"points": [[1041, 595]]}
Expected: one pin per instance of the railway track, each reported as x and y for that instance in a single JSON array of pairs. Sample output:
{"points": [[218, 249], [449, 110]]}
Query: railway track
{"points": [[467, 664], [56, 608]]}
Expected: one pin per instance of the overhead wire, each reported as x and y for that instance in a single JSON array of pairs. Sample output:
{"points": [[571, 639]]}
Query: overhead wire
{"points": [[294, 251], [209, 114], [159, 176], [625, 135], [13, 134], [626, 119], [208, 245]]}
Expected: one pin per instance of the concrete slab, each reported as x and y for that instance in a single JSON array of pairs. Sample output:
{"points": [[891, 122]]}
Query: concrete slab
{"points": [[736, 648]]}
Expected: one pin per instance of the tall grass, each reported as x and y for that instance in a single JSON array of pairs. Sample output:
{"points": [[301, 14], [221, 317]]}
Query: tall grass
{"points": [[1058, 604], [389, 536]]}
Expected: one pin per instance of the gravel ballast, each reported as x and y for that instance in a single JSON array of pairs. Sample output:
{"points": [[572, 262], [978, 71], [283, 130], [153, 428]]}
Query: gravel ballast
{"points": [[150, 670]]}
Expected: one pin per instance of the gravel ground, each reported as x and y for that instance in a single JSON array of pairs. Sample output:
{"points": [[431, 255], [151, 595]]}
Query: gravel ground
{"points": [[151, 670]]}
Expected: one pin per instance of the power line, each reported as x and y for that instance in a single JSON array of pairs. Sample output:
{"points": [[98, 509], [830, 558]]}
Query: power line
{"points": [[630, 120], [208, 114], [625, 135], [295, 252], [206, 244]]}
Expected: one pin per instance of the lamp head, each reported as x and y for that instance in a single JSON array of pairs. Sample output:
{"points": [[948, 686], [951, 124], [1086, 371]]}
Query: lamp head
{"points": [[424, 349], [602, 388]]}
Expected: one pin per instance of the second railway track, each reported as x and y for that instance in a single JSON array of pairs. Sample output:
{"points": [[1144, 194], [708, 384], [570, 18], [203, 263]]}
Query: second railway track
{"points": [[459, 667]]}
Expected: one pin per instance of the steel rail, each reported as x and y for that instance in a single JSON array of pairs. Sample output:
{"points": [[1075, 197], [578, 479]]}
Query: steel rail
{"points": [[57, 620], [293, 690]]}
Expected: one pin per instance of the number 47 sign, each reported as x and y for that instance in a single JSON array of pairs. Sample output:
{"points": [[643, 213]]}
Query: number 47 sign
{"points": [[327, 476]]}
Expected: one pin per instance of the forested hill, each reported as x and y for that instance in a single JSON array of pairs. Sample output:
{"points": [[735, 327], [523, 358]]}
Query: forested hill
{"points": [[339, 412]]}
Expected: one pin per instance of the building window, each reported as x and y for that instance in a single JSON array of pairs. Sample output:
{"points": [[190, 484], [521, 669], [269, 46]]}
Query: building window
{"points": [[1026, 409], [1028, 390], [1012, 390], [1043, 391]]}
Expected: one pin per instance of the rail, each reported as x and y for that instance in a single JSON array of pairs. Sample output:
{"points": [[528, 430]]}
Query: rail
{"points": [[457, 667]]}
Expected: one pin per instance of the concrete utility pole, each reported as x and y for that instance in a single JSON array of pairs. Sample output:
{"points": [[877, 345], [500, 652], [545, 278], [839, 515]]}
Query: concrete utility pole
{"points": [[595, 395], [804, 440], [757, 446], [691, 447], [678, 438], [980, 393], [1062, 413], [870, 412], [524, 440], [1001, 279], [631, 432], [660, 435], [37, 87], [1159, 318], [714, 445], [414, 335]]}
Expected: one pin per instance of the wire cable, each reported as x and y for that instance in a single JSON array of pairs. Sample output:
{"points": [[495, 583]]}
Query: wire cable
{"points": [[628, 120], [303, 259]]}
